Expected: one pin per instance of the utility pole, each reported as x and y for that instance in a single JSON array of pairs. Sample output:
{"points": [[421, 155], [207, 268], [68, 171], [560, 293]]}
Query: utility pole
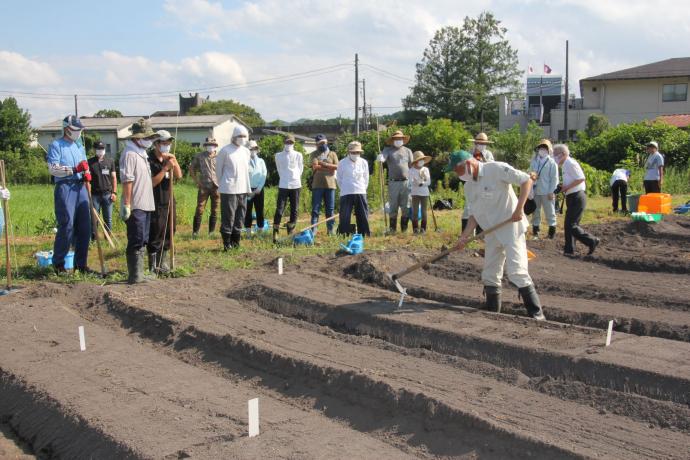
{"points": [[356, 95], [76, 111], [567, 95], [364, 104]]}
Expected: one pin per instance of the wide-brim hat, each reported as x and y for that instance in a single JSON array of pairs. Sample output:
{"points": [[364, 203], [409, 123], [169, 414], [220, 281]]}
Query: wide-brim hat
{"points": [[141, 130], [210, 141], [457, 157], [398, 135], [547, 143], [419, 155], [354, 147], [482, 138], [289, 137], [164, 135]]}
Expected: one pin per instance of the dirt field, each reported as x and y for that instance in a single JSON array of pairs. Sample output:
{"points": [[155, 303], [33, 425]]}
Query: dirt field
{"points": [[341, 372]]}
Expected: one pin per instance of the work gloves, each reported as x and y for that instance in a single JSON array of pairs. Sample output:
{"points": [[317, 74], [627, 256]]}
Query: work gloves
{"points": [[4, 194], [87, 176], [125, 211], [81, 167]]}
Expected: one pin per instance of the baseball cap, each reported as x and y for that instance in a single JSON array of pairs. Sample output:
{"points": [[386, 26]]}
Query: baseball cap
{"points": [[456, 158], [72, 122]]}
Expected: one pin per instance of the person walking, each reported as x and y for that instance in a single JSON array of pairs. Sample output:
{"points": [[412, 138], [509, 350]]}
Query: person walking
{"points": [[232, 173], [290, 165], [654, 169], [137, 197], [619, 189], [70, 170], [574, 187], [505, 246], [352, 177], [257, 181], [103, 186], [480, 152], [203, 171], [420, 179], [163, 165], [324, 164], [544, 173], [398, 160]]}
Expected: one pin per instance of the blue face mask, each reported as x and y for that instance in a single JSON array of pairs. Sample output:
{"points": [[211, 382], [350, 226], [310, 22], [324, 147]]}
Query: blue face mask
{"points": [[322, 148]]}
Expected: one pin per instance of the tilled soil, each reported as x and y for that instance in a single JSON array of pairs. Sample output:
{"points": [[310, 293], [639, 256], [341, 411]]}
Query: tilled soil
{"points": [[341, 372]]}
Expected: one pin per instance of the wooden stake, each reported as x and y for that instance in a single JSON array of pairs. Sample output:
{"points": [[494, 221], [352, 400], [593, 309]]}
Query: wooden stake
{"points": [[95, 231]]}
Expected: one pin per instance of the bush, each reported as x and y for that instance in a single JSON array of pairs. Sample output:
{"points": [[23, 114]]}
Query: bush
{"points": [[26, 167], [515, 147]]}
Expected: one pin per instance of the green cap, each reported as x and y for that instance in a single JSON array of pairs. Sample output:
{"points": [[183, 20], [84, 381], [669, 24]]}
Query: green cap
{"points": [[457, 157]]}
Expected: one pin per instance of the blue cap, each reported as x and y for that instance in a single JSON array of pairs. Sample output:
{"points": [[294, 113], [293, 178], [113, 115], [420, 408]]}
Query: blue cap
{"points": [[320, 137], [73, 122]]}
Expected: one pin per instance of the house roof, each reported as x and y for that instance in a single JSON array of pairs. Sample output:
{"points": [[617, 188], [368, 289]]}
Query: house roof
{"points": [[678, 120], [674, 67], [92, 123], [183, 121]]}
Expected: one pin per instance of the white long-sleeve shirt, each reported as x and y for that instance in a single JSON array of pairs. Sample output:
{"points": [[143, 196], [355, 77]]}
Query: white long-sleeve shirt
{"points": [[419, 179], [232, 170], [352, 176], [290, 166]]}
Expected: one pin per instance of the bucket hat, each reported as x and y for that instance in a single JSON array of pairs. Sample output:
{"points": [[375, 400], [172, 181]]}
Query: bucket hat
{"points": [[354, 147], [141, 129]]}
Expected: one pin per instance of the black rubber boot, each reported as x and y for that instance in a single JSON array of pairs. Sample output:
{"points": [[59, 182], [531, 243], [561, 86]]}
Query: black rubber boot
{"points": [[163, 259], [235, 240], [393, 220], [276, 231], [403, 224], [212, 223], [153, 262], [535, 230], [415, 226], [423, 227], [492, 298], [132, 258], [552, 232], [290, 228], [196, 225], [531, 300], [464, 224]]}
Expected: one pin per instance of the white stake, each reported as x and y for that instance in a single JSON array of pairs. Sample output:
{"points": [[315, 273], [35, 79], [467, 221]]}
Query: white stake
{"points": [[402, 297], [82, 339], [253, 409], [280, 265], [609, 333]]}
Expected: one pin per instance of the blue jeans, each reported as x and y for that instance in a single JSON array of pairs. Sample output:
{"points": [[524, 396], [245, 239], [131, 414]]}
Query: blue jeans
{"points": [[327, 195], [73, 223], [102, 202]]}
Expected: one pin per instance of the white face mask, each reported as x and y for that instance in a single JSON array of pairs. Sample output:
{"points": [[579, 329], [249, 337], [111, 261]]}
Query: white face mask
{"points": [[74, 135], [353, 156], [239, 141], [210, 148], [543, 153], [420, 163], [468, 173], [480, 148], [164, 148], [145, 143], [100, 153], [398, 143], [254, 153], [289, 147]]}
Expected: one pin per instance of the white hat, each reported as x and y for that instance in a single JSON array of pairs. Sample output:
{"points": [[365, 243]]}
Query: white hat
{"points": [[164, 136], [253, 145]]}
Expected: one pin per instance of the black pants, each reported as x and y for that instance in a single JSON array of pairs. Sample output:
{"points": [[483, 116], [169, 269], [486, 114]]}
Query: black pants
{"points": [[284, 195], [620, 189], [233, 208], [159, 232], [138, 226], [358, 202], [652, 186], [576, 204], [257, 202]]}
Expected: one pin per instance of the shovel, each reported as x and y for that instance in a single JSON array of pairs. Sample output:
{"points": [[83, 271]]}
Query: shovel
{"points": [[396, 276]]}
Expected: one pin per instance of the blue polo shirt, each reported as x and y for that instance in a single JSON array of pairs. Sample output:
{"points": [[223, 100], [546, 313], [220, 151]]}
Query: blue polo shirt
{"points": [[65, 153]]}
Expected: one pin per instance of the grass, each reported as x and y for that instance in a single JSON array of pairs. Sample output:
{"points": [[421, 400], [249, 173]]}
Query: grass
{"points": [[32, 218]]}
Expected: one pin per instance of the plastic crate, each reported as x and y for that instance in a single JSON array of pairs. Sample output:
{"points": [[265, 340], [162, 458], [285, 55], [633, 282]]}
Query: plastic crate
{"points": [[655, 203]]}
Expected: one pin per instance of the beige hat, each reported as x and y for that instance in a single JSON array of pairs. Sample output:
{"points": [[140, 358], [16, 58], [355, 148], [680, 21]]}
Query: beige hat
{"points": [[289, 137], [398, 135], [253, 145], [482, 138], [354, 147], [210, 141], [547, 143], [419, 155]]}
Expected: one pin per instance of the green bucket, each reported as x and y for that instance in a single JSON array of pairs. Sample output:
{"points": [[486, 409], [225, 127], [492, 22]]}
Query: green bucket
{"points": [[644, 217]]}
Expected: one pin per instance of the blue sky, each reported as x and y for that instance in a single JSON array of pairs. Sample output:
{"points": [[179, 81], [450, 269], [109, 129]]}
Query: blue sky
{"points": [[167, 45]]}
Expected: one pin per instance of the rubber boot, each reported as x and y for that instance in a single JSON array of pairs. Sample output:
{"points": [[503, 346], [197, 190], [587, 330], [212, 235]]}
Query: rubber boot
{"points": [[276, 231], [393, 222], [235, 240], [535, 230], [403, 223], [226, 240], [464, 224], [132, 260], [196, 225], [492, 298], [531, 300], [153, 262], [163, 262], [423, 228], [290, 228], [212, 223], [415, 226], [552, 232]]}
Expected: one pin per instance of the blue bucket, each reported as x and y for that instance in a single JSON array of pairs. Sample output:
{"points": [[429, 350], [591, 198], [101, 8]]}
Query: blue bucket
{"points": [[419, 214], [45, 259], [306, 238]]}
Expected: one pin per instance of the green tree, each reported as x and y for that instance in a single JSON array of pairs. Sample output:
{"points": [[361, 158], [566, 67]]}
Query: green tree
{"points": [[269, 146], [15, 126], [229, 107], [108, 113], [515, 147], [596, 124], [464, 69]]}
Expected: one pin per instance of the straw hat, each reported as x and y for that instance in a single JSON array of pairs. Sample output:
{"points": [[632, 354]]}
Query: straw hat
{"points": [[419, 155], [547, 144], [482, 138], [398, 135], [354, 147]]}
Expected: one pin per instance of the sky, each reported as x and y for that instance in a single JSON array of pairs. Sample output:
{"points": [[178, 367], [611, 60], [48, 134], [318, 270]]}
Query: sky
{"points": [[295, 59]]}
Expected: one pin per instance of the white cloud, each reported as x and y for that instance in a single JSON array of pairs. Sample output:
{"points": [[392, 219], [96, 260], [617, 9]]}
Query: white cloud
{"points": [[19, 71]]}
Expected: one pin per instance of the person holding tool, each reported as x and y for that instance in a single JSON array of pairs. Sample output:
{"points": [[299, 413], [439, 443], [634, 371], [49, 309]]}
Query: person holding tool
{"points": [[491, 201], [544, 173], [137, 196], [481, 153], [257, 181], [324, 164], [398, 160], [203, 172], [67, 164], [420, 179], [163, 164], [103, 185]]}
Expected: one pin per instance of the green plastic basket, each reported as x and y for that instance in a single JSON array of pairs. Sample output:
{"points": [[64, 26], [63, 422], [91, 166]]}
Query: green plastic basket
{"points": [[644, 217]]}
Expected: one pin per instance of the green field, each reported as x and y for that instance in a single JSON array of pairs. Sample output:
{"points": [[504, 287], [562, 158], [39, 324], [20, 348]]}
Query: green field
{"points": [[32, 217]]}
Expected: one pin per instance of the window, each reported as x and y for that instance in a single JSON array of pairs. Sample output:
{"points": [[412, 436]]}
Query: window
{"points": [[107, 149], [677, 92], [594, 89]]}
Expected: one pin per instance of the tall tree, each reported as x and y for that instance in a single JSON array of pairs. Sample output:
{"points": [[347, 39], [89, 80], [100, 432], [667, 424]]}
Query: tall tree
{"points": [[464, 69], [108, 113], [15, 126], [248, 114]]}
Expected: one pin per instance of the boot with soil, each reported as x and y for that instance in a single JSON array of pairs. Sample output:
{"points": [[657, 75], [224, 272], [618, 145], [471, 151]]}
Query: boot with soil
{"points": [[415, 226], [492, 298], [153, 262], [552, 232], [227, 240], [163, 262], [196, 225], [212, 223], [276, 232], [290, 228], [535, 232], [403, 224], [531, 300], [393, 222], [235, 240]]}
